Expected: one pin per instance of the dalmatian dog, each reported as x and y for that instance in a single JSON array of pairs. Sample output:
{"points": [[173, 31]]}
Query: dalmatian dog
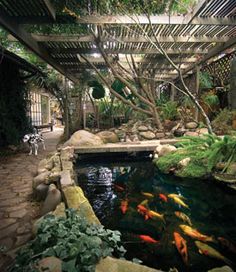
{"points": [[33, 139]]}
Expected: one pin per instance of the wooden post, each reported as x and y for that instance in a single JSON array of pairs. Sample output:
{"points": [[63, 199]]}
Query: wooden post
{"points": [[197, 90], [173, 92], [66, 110]]}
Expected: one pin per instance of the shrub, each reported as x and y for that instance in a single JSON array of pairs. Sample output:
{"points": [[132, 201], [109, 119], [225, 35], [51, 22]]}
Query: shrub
{"points": [[78, 244]]}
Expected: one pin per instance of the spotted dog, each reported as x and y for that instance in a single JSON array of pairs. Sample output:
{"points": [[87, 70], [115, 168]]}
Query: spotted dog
{"points": [[33, 139]]}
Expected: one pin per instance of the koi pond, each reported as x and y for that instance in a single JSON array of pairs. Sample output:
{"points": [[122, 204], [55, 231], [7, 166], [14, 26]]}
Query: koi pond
{"points": [[148, 207]]}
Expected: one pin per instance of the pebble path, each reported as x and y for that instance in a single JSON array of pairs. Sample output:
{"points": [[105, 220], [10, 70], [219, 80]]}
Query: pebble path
{"points": [[17, 209]]}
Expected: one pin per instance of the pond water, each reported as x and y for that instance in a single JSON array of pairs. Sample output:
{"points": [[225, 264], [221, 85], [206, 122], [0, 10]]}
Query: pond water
{"points": [[212, 210]]}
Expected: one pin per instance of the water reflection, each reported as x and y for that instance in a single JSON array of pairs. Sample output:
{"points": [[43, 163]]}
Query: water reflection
{"points": [[212, 211]]}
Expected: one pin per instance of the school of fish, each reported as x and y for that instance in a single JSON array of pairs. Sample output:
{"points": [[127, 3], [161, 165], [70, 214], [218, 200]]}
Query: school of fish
{"points": [[187, 229]]}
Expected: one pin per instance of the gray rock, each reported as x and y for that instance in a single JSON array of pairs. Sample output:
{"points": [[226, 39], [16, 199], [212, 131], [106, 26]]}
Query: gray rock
{"points": [[66, 179], [108, 136], [191, 125], [83, 138], [160, 135], [221, 269], [142, 128], [191, 133], [41, 178], [117, 265], [50, 264], [52, 200], [147, 135], [41, 192], [163, 150]]}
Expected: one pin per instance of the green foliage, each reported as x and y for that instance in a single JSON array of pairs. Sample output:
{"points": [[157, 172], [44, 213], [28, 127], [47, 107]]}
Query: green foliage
{"points": [[78, 244], [169, 111], [98, 90], [206, 80], [223, 121], [211, 100], [118, 87], [204, 153]]}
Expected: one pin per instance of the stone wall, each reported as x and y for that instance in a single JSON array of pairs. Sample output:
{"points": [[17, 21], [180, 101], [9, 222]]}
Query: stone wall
{"points": [[55, 185]]}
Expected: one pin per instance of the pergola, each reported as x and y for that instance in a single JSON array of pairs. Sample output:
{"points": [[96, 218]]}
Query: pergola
{"points": [[190, 39]]}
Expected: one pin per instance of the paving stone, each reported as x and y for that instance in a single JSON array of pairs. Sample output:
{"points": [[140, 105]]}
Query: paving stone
{"points": [[10, 202], [9, 230], [15, 208], [22, 239], [24, 229], [18, 214], [7, 243], [6, 222], [8, 196]]}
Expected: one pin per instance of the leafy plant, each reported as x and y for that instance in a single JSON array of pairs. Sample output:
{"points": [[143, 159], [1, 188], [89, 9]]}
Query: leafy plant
{"points": [[206, 80], [78, 244], [204, 152], [98, 90], [223, 121], [169, 111], [211, 100]]}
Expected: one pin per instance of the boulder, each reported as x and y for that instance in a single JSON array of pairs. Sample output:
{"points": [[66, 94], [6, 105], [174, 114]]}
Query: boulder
{"points": [[142, 128], [184, 162], [231, 170], [191, 125], [52, 200], [41, 178], [160, 135], [66, 179], [147, 135], [41, 192], [45, 164], [49, 264], [75, 199], [202, 131], [83, 138], [118, 265], [221, 269], [191, 133], [163, 150], [108, 136]]}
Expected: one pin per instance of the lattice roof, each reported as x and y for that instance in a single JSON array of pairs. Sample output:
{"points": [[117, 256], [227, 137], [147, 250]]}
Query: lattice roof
{"points": [[190, 39]]}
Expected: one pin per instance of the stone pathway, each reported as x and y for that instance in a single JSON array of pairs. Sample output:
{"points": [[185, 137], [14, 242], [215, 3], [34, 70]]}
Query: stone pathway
{"points": [[17, 210]]}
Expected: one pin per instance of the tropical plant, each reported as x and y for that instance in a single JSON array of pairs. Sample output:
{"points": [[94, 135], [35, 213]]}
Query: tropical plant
{"points": [[206, 80], [169, 110], [78, 244], [205, 153]]}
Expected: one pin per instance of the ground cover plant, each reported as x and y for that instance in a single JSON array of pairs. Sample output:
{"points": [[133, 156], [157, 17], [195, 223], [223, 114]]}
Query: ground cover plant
{"points": [[206, 153], [78, 244]]}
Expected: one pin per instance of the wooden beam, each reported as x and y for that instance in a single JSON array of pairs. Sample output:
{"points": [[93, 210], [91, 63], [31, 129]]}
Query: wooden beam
{"points": [[127, 20], [124, 51], [90, 38], [50, 8], [17, 31], [213, 52], [123, 61], [201, 4]]}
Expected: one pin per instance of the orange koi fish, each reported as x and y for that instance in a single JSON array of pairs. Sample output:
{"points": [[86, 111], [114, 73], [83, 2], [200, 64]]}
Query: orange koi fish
{"points": [[163, 197], [148, 194], [227, 244], [195, 234], [211, 252], [148, 239], [144, 211], [124, 206], [181, 246], [156, 215]]}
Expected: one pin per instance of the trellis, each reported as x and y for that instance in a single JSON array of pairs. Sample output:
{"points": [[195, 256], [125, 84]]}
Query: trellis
{"points": [[220, 69], [190, 39]]}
